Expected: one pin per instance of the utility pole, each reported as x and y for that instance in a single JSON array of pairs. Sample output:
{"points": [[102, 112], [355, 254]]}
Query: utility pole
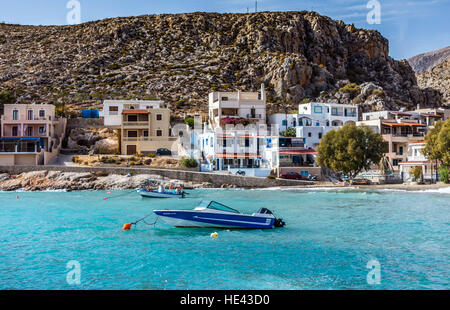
{"points": [[256, 6]]}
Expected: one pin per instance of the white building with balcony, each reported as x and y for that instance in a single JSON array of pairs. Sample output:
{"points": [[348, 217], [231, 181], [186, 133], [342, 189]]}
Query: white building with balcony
{"points": [[415, 158], [237, 108], [112, 109], [315, 119], [231, 138]]}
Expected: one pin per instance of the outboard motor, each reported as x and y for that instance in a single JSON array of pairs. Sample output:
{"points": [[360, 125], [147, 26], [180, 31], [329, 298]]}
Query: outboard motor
{"points": [[279, 223]]}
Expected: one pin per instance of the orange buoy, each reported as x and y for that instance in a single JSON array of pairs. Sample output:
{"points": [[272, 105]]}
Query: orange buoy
{"points": [[127, 226]]}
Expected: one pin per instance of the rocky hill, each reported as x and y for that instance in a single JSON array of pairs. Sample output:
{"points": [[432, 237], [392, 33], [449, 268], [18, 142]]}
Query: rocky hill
{"points": [[438, 78], [428, 61], [181, 58]]}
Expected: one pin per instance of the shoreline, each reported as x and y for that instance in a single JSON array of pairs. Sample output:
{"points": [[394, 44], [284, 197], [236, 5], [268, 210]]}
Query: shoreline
{"points": [[58, 181]]}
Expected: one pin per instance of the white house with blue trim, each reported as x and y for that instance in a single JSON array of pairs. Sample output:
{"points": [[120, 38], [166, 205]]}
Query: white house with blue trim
{"points": [[315, 119]]}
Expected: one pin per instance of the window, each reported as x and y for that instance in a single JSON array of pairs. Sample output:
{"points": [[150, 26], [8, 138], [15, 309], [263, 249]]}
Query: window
{"points": [[41, 113], [247, 142], [29, 131], [320, 135], [318, 109], [145, 133], [15, 131], [317, 124], [113, 109], [159, 117], [132, 134], [159, 133], [367, 118], [294, 123], [284, 123], [309, 134], [15, 115], [132, 118], [41, 130], [30, 115]]}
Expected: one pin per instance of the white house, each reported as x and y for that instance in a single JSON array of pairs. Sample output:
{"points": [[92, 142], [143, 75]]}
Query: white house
{"points": [[231, 138], [112, 109], [237, 108], [315, 119], [416, 158]]}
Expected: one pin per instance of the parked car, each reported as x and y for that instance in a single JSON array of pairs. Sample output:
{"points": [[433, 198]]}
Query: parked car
{"points": [[163, 152], [292, 176], [240, 172], [360, 182]]}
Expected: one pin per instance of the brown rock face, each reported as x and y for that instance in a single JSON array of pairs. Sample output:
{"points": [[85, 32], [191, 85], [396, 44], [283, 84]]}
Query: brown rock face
{"points": [[185, 56]]}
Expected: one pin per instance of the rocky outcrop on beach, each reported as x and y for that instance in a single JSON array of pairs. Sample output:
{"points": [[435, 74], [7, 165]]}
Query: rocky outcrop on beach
{"points": [[181, 58], [55, 180], [100, 141]]}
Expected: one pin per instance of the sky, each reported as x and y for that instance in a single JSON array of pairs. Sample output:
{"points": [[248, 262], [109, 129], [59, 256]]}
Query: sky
{"points": [[411, 26]]}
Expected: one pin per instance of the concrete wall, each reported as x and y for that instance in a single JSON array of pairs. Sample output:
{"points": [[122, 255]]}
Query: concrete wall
{"points": [[18, 159], [216, 179]]}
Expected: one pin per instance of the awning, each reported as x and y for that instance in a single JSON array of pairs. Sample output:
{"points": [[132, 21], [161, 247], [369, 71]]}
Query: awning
{"points": [[18, 139], [404, 124], [235, 156], [225, 136], [299, 152], [135, 112], [432, 115]]}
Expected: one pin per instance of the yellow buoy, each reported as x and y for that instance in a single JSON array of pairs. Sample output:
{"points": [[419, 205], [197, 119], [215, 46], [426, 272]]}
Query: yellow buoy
{"points": [[214, 235]]}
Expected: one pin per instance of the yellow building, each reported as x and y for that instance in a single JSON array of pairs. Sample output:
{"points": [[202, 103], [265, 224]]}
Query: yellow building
{"points": [[145, 131]]}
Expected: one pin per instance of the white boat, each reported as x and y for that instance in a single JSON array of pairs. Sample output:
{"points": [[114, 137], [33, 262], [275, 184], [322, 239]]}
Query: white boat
{"points": [[211, 214], [157, 194]]}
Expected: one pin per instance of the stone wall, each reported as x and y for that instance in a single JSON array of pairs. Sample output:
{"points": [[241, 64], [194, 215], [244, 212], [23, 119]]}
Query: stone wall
{"points": [[216, 179]]}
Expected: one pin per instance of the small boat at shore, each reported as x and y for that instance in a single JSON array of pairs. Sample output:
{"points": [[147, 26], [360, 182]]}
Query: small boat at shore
{"points": [[211, 214], [161, 193]]}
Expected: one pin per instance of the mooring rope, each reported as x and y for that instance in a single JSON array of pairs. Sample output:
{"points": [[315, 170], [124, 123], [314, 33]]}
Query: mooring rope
{"points": [[118, 196]]}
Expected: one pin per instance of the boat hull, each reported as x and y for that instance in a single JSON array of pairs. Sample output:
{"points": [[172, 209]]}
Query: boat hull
{"points": [[152, 194], [192, 219]]}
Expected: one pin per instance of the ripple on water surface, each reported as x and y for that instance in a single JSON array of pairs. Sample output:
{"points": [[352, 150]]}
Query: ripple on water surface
{"points": [[329, 239]]}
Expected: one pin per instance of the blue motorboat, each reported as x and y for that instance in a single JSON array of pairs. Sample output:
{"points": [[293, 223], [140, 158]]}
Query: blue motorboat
{"points": [[211, 214]]}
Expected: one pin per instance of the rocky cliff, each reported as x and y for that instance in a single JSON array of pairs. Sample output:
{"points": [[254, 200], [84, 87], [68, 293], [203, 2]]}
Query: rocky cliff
{"points": [[437, 78], [428, 61], [180, 58]]}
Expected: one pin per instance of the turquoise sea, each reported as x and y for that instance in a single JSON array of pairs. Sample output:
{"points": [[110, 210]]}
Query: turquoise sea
{"points": [[330, 237]]}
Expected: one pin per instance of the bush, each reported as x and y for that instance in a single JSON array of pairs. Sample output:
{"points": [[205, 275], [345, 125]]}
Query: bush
{"points": [[271, 177], [189, 121], [444, 175], [416, 172], [189, 163], [151, 155], [291, 132]]}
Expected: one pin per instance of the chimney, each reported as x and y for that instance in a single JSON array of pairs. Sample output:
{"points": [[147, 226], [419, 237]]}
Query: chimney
{"points": [[263, 92]]}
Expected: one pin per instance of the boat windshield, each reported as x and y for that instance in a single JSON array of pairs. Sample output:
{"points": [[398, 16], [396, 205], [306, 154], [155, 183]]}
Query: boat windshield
{"points": [[216, 206]]}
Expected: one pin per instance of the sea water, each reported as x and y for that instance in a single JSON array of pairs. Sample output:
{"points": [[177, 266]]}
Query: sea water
{"points": [[333, 240]]}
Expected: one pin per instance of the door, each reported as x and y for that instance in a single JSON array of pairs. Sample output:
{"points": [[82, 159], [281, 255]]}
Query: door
{"points": [[131, 149]]}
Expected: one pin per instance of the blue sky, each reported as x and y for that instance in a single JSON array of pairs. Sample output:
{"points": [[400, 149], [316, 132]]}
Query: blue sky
{"points": [[412, 26]]}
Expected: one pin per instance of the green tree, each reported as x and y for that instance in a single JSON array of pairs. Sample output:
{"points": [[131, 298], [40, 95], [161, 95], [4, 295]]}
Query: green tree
{"points": [[437, 143], [6, 98], [291, 132], [351, 150]]}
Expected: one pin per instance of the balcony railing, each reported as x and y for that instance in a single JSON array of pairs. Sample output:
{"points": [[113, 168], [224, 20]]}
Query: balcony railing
{"points": [[136, 124], [256, 116], [147, 139]]}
